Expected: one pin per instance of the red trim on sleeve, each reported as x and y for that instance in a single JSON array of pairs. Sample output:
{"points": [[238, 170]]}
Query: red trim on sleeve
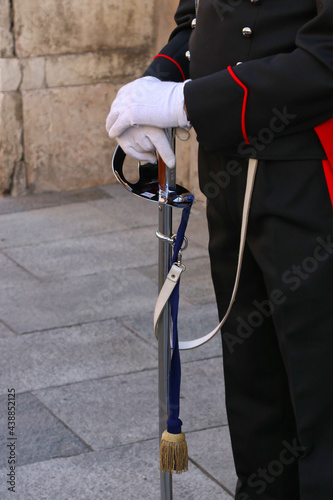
{"points": [[325, 134], [175, 62], [237, 80]]}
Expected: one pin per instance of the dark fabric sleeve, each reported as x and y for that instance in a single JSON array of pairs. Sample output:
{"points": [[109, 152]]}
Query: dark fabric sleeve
{"points": [[171, 63], [287, 93]]}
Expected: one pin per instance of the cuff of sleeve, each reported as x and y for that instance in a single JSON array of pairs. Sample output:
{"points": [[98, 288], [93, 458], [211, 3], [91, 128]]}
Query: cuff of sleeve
{"points": [[215, 107], [171, 63], [164, 69], [180, 98]]}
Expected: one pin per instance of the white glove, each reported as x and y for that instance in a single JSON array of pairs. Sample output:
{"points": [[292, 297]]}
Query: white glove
{"points": [[147, 101], [141, 143]]}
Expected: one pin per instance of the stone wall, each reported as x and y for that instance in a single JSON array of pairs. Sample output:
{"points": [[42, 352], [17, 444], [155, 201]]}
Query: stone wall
{"points": [[61, 64]]}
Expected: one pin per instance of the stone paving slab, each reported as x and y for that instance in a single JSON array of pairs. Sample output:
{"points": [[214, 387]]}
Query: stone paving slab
{"points": [[40, 435], [126, 473], [108, 412], [202, 395], [56, 223], [197, 285], [193, 322], [129, 209], [92, 254], [211, 450], [5, 332], [11, 274], [77, 341], [136, 212], [88, 255], [67, 302], [10, 204], [75, 354], [115, 190]]}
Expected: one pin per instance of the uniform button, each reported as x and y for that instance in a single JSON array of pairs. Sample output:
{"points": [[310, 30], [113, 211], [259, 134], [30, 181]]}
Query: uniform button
{"points": [[256, 2], [247, 32], [194, 23], [188, 55], [239, 62]]}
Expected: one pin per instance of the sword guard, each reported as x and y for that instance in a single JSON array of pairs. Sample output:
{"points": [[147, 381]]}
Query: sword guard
{"points": [[147, 186]]}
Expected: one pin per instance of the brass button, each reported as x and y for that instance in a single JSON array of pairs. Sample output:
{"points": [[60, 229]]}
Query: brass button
{"points": [[247, 32], [188, 55], [194, 23]]}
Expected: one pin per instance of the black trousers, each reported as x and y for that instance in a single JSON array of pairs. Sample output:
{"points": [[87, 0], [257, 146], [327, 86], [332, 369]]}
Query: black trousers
{"points": [[278, 341]]}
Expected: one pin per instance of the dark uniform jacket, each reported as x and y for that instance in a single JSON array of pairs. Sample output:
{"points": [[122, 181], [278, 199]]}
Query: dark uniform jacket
{"points": [[262, 74]]}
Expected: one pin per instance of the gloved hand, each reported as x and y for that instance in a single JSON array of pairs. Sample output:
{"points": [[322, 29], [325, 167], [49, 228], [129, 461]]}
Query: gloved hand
{"points": [[147, 101], [140, 142]]}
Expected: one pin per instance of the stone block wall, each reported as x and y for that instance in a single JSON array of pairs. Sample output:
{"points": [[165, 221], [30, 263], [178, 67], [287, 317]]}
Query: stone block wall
{"points": [[61, 64]]}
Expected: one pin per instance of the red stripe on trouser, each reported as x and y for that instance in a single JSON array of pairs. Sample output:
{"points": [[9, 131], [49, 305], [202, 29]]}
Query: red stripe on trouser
{"points": [[325, 134], [328, 169]]}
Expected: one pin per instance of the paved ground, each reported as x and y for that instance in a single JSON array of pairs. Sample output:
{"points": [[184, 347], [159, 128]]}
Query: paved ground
{"points": [[77, 291]]}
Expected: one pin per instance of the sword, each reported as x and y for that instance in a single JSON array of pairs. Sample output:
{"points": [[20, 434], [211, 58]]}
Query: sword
{"points": [[166, 179], [157, 183]]}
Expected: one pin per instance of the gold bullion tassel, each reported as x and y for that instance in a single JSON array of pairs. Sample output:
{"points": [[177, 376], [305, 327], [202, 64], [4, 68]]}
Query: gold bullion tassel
{"points": [[173, 453]]}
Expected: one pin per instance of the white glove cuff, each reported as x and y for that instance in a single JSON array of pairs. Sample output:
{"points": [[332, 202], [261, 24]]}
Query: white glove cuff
{"points": [[181, 115]]}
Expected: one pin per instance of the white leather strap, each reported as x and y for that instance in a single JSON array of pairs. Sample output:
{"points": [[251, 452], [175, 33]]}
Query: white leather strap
{"points": [[176, 271], [171, 281]]}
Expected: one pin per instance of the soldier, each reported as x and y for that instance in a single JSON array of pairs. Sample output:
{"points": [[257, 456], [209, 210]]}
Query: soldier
{"points": [[255, 80]]}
